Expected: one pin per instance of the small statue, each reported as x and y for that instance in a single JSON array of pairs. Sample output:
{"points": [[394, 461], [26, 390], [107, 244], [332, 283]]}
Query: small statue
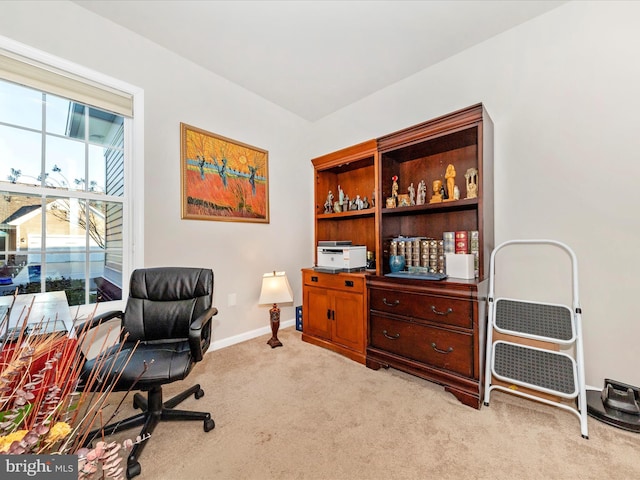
{"points": [[365, 203], [412, 194], [328, 205], [437, 192], [422, 193], [472, 182], [337, 208], [359, 203], [443, 192], [450, 177], [456, 193], [394, 186], [340, 196]]}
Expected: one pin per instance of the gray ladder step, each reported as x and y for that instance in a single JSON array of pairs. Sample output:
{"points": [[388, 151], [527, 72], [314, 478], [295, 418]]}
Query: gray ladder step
{"points": [[542, 370], [553, 323]]}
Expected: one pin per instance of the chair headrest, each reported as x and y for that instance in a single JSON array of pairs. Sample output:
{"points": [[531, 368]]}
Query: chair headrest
{"points": [[171, 283]]}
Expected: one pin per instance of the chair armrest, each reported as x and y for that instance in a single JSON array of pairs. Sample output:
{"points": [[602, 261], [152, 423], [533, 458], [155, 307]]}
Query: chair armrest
{"points": [[96, 320], [197, 341]]}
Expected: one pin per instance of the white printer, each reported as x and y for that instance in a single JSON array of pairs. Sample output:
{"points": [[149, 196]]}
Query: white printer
{"points": [[336, 257]]}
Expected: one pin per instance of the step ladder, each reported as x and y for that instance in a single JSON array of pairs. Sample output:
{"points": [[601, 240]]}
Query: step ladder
{"points": [[547, 374]]}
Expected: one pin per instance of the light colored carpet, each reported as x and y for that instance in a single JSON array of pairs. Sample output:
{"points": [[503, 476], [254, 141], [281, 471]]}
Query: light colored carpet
{"points": [[303, 412]]}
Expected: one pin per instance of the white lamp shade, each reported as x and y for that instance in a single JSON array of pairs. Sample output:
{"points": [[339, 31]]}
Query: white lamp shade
{"points": [[275, 289]]}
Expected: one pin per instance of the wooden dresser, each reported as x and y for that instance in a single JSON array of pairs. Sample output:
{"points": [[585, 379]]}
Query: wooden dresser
{"points": [[434, 330]]}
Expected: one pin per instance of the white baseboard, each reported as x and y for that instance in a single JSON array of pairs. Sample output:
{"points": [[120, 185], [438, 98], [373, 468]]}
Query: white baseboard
{"points": [[243, 337]]}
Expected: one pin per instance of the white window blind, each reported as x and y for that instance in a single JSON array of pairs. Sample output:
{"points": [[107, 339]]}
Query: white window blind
{"points": [[40, 76]]}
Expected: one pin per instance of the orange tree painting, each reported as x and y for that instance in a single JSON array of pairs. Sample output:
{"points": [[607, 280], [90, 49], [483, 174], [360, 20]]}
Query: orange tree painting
{"points": [[222, 179]]}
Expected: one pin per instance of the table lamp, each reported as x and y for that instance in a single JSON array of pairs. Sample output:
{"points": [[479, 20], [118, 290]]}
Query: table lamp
{"points": [[275, 289]]}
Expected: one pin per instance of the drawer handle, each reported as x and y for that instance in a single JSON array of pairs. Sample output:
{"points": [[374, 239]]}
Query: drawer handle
{"points": [[314, 278], [435, 347], [391, 337], [394, 304], [433, 309], [348, 283]]}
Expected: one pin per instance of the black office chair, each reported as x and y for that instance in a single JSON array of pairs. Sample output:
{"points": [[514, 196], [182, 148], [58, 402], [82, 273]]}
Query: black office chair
{"points": [[168, 315]]}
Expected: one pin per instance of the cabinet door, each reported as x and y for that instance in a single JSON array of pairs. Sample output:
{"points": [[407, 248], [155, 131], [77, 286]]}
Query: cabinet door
{"points": [[318, 311], [348, 320]]}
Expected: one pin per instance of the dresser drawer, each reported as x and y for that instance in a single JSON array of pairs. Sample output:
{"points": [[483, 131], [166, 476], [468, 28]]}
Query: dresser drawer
{"points": [[339, 281], [447, 310], [430, 345]]}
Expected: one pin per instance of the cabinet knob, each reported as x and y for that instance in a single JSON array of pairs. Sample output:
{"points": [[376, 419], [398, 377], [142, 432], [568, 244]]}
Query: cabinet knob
{"points": [[348, 283], [314, 279], [435, 347], [391, 337], [434, 310], [395, 303]]}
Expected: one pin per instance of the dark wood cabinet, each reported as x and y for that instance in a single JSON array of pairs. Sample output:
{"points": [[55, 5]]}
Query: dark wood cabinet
{"points": [[434, 330]]}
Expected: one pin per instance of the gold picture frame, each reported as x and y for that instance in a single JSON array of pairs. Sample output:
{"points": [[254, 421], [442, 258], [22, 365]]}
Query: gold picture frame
{"points": [[222, 179]]}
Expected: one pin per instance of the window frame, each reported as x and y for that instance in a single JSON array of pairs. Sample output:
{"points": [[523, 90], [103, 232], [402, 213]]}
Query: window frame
{"points": [[133, 206]]}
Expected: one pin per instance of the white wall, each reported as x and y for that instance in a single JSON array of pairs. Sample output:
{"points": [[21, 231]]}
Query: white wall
{"points": [[562, 90], [177, 90]]}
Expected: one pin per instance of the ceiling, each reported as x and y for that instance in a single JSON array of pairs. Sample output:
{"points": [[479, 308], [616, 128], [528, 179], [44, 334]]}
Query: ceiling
{"points": [[316, 57]]}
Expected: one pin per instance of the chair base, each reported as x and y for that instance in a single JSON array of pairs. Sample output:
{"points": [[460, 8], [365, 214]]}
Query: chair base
{"points": [[154, 411]]}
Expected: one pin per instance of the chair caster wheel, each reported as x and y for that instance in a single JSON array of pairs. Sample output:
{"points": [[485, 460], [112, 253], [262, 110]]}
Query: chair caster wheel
{"points": [[138, 401], [209, 425], [199, 394], [133, 470]]}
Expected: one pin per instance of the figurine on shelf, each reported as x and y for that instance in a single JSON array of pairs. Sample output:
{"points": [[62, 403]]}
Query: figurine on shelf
{"points": [[373, 198], [359, 203], [394, 186], [422, 193], [443, 192], [328, 205], [365, 203], [456, 193], [437, 192], [345, 205], [403, 200], [450, 177], [472, 182], [337, 208], [412, 194], [340, 196]]}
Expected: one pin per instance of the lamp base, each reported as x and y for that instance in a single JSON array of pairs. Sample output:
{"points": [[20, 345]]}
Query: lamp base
{"points": [[274, 315]]}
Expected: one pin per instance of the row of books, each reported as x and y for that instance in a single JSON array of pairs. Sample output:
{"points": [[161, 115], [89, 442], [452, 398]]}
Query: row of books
{"points": [[430, 253]]}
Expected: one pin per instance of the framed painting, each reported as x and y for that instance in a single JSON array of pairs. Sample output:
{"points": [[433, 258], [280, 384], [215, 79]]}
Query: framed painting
{"points": [[222, 179]]}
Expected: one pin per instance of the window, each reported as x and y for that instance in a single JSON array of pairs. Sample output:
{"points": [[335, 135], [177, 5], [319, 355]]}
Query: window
{"points": [[64, 200]]}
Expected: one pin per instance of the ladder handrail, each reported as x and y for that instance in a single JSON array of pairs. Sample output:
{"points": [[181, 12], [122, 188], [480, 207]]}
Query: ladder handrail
{"points": [[540, 241]]}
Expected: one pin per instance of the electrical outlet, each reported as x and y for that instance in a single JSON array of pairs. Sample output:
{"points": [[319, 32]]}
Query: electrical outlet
{"points": [[231, 300]]}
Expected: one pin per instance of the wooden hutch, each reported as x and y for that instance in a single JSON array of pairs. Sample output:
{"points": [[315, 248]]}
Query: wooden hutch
{"points": [[432, 329]]}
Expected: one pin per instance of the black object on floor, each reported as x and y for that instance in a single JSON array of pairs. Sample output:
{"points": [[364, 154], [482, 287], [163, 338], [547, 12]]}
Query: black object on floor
{"points": [[618, 404]]}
